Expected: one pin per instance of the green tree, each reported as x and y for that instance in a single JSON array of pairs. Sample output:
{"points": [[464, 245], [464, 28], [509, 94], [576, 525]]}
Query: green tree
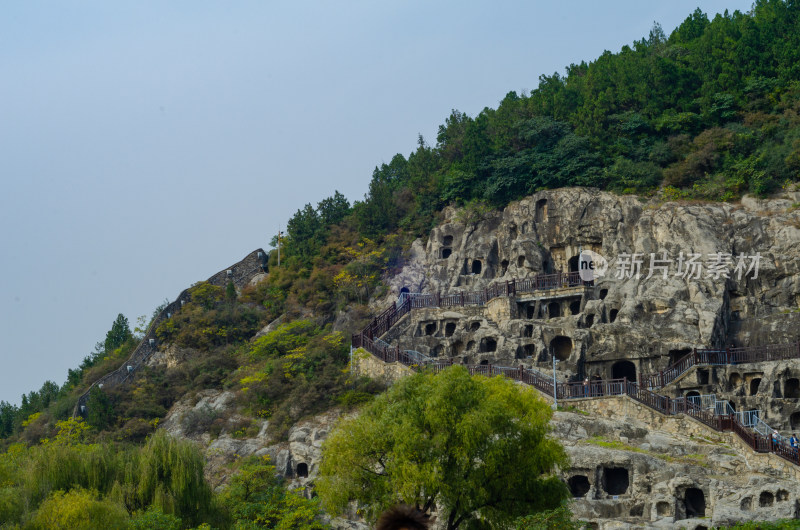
{"points": [[99, 409], [256, 498], [118, 335], [78, 509], [475, 447]]}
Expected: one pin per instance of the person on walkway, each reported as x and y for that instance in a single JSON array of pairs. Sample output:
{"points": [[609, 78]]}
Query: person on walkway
{"points": [[774, 439], [586, 388], [793, 441]]}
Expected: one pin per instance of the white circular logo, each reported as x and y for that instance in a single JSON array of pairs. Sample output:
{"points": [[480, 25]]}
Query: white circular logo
{"points": [[591, 265]]}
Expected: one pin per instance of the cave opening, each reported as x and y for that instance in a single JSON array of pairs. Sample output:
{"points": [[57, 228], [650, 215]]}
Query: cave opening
{"points": [[529, 350], [791, 389], [503, 267], [302, 470], [663, 508], [615, 480], [474, 326], [695, 502], [766, 499], [449, 329], [572, 264], [430, 328], [754, 384], [447, 252], [575, 307], [541, 210], [488, 344], [622, 369], [677, 355], [734, 382], [528, 331], [612, 315], [476, 266], [589, 320], [561, 347], [603, 294], [794, 420], [553, 309], [521, 261], [447, 241], [530, 311], [578, 485]]}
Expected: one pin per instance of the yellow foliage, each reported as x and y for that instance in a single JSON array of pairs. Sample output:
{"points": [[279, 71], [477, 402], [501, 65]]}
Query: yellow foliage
{"points": [[31, 419]]}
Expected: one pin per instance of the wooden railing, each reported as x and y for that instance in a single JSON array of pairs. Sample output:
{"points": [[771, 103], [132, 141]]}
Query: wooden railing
{"points": [[598, 389], [749, 354], [384, 322]]}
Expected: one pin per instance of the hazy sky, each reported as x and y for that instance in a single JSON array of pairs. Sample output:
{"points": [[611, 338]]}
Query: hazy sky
{"points": [[147, 145]]}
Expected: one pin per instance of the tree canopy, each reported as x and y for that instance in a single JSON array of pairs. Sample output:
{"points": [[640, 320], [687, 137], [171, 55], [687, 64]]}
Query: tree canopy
{"points": [[475, 447]]}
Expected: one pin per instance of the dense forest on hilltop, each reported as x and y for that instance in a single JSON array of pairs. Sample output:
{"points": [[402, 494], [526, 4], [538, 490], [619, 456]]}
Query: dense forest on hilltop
{"points": [[709, 112]]}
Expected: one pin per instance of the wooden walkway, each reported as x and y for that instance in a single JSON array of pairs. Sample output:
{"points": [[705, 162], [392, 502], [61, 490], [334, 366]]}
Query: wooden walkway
{"points": [[640, 391]]}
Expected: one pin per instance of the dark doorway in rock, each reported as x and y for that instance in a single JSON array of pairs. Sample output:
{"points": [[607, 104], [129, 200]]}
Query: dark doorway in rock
{"points": [[766, 499], [458, 347], [561, 347], [791, 389], [404, 290], [437, 350], [663, 509], [612, 315], [615, 480], [449, 329], [530, 311], [447, 252], [484, 362], [521, 261], [488, 344], [589, 320], [702, 377], [474, 326], [476, 266], [430, 328], [572, 264], [541, 210], [527, 331], [302, 470], [529, 350], [503, 267], [546, 268], [794, 421], [747, 504], [677, 355], [781, 495], [692, 394], [575, 307], [622, 369], [447, 241], [471, 345], [603, 294], [553, 309], [754, 384], [579, 486], [695, 502], [637, 510]]}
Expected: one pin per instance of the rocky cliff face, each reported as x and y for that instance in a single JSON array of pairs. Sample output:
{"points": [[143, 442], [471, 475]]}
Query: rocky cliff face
{"points": [[646, 321]]}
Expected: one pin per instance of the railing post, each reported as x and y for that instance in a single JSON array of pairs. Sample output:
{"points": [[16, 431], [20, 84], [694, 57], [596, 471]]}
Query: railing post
{"points": [[694, 354], [462, 298], [521, 372], [625, 385]]}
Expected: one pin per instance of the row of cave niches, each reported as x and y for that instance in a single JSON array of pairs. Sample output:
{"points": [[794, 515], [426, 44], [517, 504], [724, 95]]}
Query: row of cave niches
{"points": [[615, 482]]}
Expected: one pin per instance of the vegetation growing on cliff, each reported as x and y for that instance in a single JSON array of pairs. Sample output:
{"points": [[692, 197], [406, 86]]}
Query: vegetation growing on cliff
{"points": [[474, 447]]}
